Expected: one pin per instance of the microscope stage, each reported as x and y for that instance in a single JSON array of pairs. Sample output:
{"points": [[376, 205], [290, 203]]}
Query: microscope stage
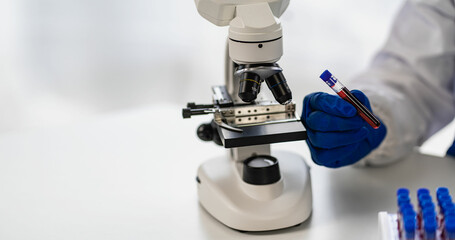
{"points": [[263, 134]]}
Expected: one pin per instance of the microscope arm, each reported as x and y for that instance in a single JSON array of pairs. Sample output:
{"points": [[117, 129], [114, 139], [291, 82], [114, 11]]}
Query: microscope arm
{"points": [[221, 12]]}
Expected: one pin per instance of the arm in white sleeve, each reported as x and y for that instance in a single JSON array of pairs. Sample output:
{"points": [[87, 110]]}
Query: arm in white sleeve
{"points": [[411, 80]]}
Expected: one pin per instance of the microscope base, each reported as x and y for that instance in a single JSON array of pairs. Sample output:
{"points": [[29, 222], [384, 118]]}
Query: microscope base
{"points": [[246, 207]]}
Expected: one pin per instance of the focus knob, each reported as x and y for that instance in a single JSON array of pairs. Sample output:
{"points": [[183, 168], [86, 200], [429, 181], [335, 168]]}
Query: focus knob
{"points": [[261, 170], [209, 132], [205, 132]]}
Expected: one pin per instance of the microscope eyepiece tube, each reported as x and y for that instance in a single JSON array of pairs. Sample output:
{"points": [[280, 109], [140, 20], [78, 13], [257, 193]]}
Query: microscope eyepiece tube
{"points": [[249, 86], [280, 89]]}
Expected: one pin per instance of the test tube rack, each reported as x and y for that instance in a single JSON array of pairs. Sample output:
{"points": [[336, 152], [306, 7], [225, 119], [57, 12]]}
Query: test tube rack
{"points": [[425, 222]]}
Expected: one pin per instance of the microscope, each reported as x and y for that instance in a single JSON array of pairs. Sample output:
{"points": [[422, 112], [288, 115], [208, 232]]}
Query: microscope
{"points": [[252, 188]]}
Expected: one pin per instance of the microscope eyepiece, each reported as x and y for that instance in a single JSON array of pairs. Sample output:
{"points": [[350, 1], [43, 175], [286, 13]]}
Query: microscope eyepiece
{"points": [[249, 86], [279, 87]]}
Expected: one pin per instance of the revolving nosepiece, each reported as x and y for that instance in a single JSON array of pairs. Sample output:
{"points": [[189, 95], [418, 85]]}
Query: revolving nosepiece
{"points": [[251, 77]]}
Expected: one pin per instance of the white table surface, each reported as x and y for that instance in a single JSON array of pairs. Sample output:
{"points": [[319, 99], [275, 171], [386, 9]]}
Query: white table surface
{"points": [[131, 175]]}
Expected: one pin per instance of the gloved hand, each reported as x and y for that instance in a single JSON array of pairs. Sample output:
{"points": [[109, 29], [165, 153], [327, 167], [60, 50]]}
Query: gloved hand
{"points": [[337, 135], [451, 150]]}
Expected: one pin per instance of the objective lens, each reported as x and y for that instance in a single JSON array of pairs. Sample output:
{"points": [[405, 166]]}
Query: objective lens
{"points": [[249, 86], [280, 89]]}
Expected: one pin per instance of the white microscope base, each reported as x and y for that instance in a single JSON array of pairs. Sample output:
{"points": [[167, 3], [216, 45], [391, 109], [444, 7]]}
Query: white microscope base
{"points": [[245, 207]]}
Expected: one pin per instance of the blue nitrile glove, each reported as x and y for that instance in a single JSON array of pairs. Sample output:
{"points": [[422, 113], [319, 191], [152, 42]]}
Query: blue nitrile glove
{"points": [[337, 135], [451, 150]]}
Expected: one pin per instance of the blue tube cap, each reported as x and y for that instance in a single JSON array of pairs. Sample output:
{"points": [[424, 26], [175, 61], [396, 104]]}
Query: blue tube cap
{"points": [[424, 191], [450, 224], [405, 206], [424, 198], [408, 213], [449, 210], [427, 205], [447, 206], [403, 199], [410, 225], [430, 225], [402, 191], [444, 198], [326, 75], [442, 190], [429, 213]]}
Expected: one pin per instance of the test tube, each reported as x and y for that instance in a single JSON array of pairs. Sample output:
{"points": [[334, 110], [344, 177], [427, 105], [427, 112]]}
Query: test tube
{"points": [[402, 191], [442, 191], [402, 199], [345, 94], [442, 194], [448, 208], [407, 221], [444, 199], [423, 199], [430, 226], [404, 204], [409, 225], [450, 227], [443, 206], [423, 191]]}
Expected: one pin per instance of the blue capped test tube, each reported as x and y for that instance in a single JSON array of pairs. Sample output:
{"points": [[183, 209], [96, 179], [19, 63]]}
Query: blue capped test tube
{"points": [[402, 199], [410, 227], [407, 220], [444, 199], [450, 227], [402, 191], [430, 223], [447, 212], [446, 206], [346, 95], [430, 226], [423, 191], [442, 191]]}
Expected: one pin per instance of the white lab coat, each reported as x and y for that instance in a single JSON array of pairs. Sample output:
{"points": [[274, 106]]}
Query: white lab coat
{"points": [[411, 81]]}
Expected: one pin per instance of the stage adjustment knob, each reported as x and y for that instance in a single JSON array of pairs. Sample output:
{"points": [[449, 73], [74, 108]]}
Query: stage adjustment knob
{"points": [[209, 132], [261, 170], [205, 132]]}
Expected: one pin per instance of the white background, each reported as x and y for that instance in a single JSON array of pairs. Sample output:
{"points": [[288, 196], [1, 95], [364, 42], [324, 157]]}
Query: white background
{"points": [[90, 88]]}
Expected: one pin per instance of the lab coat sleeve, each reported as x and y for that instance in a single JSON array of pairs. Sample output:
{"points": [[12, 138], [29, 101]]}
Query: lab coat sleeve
{"points": [[410, 82]]}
